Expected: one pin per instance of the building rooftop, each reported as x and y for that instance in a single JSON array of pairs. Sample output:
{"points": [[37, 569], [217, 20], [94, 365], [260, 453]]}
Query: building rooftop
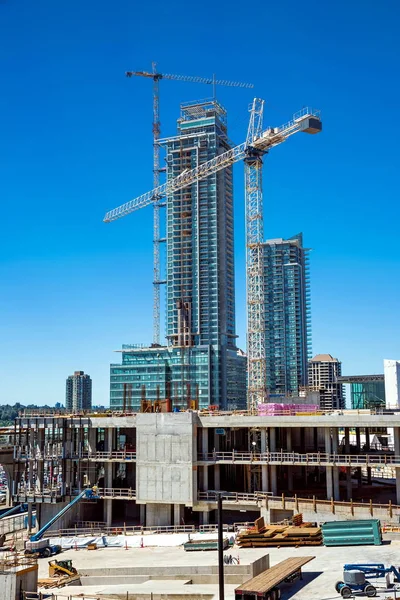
{"points": [[324, 358]]}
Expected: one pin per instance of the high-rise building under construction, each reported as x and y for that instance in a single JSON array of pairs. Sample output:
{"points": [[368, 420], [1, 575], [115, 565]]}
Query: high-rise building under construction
{"points": [[200, 361]]}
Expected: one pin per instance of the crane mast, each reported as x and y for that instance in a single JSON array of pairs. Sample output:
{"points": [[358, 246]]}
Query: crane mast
{"points": [[255, 291], [258, 143], [157, 205]]}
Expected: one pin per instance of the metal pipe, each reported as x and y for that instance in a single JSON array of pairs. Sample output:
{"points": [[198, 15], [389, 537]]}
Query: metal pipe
{"points": [[220, 549]]}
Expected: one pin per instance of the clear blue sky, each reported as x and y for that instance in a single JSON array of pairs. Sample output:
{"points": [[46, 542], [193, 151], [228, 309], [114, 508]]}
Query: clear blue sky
{"points": [[75, 141]]}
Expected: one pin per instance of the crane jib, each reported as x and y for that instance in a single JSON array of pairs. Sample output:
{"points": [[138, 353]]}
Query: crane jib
{"points": [[306, 121]]}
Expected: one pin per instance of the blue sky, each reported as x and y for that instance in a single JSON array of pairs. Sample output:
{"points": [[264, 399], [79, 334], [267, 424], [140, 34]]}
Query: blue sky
{"points": [[75, 141]]}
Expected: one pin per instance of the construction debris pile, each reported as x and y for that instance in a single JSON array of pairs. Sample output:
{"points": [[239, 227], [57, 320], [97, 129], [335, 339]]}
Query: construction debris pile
{"points": [[295, 534]]}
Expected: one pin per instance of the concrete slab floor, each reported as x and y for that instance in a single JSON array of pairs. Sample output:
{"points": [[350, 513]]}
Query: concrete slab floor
{"points": [[320, 575]]}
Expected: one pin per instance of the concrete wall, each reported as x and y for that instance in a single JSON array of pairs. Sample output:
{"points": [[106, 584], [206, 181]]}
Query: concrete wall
{"points": [[166, 452], [201, 574], [12, 584], [45, 512]]}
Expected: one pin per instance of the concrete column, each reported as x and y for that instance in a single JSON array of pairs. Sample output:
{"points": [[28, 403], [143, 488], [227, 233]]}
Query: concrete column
{"points": [[328, 447], [329, 486], [335, 439], [315, 439], [335, 470], [204, 478], [92, 438], [204, 440], [264, 468], [108, 511], [358, 439], [205, 517], [217, 477], [272, 439], [289, 439], [108, 476], [109, 439], [289, 449], [328, 469], [367, 441], [336, 488], [263, 440], [142, 514], [29, 517], [178, 514], [272, 448], [349, 485], [347, 440], [396, 438]]}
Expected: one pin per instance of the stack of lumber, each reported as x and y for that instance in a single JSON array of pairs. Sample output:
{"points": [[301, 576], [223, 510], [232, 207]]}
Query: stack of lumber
{"points": [[56, 582], [262, 536]]}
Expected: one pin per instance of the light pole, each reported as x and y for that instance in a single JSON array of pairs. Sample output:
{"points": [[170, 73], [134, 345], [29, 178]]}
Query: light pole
{"points": [[220, 548]]}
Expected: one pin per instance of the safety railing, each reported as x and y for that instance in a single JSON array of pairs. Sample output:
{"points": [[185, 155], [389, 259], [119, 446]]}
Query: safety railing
{"points": [[25, 453], [316, 458], [256, 497], [121, 530], [103, 530], [124, 493], [120, 455]]}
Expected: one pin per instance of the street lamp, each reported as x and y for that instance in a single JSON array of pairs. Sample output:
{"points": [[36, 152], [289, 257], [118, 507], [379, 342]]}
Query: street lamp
{"points": [[219, 495]]}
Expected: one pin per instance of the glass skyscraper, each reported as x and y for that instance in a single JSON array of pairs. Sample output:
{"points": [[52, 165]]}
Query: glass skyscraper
{"points": [[287, 315], [201, 359]]}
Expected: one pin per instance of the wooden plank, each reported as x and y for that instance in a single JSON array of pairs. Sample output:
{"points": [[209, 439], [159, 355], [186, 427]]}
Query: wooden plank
{"points": [[274, 576]]}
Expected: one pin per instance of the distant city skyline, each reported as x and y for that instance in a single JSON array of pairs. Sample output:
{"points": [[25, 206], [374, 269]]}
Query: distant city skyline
{"points": [[77, 141]]}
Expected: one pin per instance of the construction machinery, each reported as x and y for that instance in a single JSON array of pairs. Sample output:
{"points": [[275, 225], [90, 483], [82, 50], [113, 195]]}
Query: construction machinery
{"points": [[18, 508], [157, 239], [258, 142], [354, 578], [42, 548], [61, 567]]}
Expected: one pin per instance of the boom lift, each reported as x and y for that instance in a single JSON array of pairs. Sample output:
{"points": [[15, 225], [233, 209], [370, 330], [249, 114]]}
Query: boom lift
{"points": [[41, 547], [18, 508], [354, 578]]}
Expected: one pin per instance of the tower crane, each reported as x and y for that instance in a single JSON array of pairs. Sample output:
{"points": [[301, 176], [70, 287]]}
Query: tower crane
{"points": [[156, 77], [258, 142]]}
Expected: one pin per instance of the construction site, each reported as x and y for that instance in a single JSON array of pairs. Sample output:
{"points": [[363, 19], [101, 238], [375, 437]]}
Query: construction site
{"points": [[205, 446]]}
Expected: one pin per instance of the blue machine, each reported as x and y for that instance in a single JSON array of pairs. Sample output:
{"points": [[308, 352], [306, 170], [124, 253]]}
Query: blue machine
{"points": [[18, 508], [375, 570], [354, 578], [41, 547]]}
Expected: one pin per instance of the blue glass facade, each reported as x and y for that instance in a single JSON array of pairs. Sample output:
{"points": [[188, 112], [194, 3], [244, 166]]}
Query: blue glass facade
{"points": [[179, 374], [201, 360], [287, 314]]}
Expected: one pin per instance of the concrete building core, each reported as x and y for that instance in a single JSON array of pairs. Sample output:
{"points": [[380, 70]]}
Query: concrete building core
{"points": [[162, 468]]}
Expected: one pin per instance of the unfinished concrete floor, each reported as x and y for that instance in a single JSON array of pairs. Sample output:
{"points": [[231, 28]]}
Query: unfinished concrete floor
{"points": [[320, 575]]}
